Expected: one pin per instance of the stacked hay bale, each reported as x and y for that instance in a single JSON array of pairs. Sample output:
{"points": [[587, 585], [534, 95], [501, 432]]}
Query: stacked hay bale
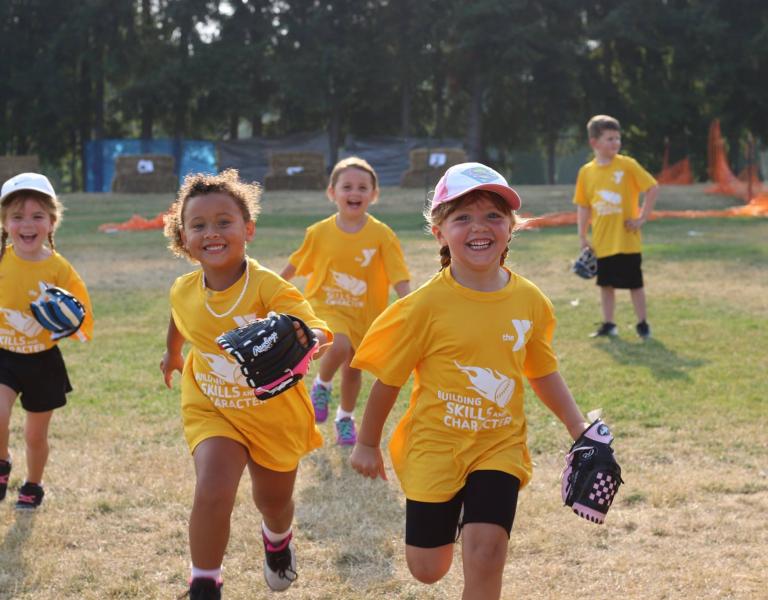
{"points": [[145, 174], [429, 164], [11, 166], [296, 171]]}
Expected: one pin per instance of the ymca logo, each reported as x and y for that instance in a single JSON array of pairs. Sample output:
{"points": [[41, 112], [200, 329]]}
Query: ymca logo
{"points": [[617, 176], [367, 257], [522, 326]]}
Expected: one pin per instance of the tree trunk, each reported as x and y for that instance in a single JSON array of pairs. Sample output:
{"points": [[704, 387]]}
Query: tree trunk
{"points": [[234, 122], [334, 132], [551, 157], [147, 120], [257, 129], [475, 123]]}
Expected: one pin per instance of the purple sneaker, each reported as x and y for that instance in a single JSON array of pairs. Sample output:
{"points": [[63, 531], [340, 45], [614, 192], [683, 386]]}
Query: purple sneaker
{"points": [[321, 398], [5, 474], [345, 432]]}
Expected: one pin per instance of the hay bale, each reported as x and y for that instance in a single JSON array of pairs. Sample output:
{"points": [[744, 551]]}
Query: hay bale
{"points": [[296, 171], [427, 165], [11, 166], [145, 174]]}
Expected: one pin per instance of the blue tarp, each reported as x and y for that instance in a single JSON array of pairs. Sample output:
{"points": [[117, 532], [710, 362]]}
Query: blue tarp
{"points": [[191, 156]]}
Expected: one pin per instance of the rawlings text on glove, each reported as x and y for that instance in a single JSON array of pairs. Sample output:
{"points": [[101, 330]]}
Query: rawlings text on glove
{"points": [[59, 312], [269, 353], [591, 476]]}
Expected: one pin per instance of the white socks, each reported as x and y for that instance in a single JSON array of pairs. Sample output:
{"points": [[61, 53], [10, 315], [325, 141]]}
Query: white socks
{"points": [[274, 538], [214, 574], [326, 384], [342, 414]]}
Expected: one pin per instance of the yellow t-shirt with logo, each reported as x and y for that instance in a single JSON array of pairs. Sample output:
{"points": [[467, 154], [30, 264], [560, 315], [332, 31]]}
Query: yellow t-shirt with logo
{"points": [[349, 273], [23, 282], [469, 352], [215, 398], [612, 192]]}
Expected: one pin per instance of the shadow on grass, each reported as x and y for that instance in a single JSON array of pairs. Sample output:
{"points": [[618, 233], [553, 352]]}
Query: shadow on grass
{"points": [[12, 564], [652, 354]]}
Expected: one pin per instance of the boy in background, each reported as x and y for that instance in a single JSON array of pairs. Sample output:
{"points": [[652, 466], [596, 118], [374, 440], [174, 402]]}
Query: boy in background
{"points": [[607, 193]]}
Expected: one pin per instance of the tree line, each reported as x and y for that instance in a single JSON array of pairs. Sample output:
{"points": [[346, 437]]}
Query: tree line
{"points": [[501, 75]]}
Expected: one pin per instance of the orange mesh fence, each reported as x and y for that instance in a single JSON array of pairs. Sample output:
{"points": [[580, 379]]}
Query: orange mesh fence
{"points": [[746, 186], [679, 173], [135, 223]]}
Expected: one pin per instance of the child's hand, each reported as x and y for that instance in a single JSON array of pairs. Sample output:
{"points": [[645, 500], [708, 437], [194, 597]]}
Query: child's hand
{"points": [[634, 224], [368, 461], [169, 364]]}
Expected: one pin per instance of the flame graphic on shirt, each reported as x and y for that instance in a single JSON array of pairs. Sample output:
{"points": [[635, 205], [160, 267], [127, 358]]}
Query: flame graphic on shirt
{"points": [[350, 284], [490, 384], [225, 369]]}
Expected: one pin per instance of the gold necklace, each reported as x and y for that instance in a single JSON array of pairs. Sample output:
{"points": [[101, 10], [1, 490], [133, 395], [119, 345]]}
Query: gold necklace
{"points": [[234, 306]]}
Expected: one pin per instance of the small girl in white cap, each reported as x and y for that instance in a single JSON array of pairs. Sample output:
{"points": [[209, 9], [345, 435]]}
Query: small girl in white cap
{"points": [[470, 335], [31, 365]]}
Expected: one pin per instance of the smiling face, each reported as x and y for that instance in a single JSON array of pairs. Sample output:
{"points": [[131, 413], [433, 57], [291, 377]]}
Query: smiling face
{"points": [[352, 193], [215, 233], [476, 232], [28, 224], [606, 145]]}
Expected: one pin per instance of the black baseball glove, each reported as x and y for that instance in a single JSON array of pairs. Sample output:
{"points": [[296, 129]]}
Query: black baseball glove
{"points": [[269, 353], [591, 476], [59, 312], [585, 266]]}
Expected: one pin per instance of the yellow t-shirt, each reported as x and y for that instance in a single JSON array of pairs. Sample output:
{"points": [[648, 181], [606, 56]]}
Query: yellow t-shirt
{"points": [[469, 351], [215, 398], [612, 192], [23, 282], [349, 273]]}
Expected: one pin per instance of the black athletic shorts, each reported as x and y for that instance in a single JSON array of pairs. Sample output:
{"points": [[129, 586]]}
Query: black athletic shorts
{"points": [[41, 378], [487, 497], [621, 271]]}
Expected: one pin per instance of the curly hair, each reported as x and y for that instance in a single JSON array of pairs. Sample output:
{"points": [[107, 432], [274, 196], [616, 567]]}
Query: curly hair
{"points": [[50, 204], [246, 195], [437, 216]]}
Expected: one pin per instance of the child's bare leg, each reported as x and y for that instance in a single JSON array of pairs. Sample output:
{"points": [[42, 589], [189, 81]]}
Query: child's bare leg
{"points": [[484, 553], [334, 357], [638, 301], [273, 495], [7, 397], [608, 303], [429, 565], [36, 437], [351, 381], [219, 464]]}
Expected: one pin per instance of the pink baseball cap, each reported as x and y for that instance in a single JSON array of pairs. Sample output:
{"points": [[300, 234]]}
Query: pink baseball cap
{"points": [[466, 177], [27, 181]]}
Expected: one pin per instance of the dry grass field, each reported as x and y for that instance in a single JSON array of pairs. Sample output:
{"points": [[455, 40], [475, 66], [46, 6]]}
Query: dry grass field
{"points": [[688, 409]]}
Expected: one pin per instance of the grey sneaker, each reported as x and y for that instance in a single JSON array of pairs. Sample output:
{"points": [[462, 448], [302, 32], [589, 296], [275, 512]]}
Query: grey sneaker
{"points": [[279, 564], [30, 496], [606, 329], [203, 588]]}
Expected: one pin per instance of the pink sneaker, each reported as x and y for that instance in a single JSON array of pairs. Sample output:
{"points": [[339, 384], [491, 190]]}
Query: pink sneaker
{"points": [[345, 432]]}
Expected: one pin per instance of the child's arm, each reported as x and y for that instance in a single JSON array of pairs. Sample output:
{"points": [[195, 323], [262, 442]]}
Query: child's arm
{"points": [[649, 201], [288, 272], [583, 213], [554, 393], [366, 457], [172, 360], [403, 288]]}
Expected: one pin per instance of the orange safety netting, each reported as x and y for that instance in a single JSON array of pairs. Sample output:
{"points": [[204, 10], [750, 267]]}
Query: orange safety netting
{"points": [[746, 185], [679, 173], [135, 223]]}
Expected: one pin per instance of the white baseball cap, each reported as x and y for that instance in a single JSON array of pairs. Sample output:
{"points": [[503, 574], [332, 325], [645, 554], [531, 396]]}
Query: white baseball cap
{"points": [[465, 177], [27, 181]]}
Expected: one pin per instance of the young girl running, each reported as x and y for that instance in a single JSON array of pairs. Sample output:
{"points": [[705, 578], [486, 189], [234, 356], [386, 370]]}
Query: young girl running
{"points": [[351, 259], [471, 334], [226, 426], [30, 214]]}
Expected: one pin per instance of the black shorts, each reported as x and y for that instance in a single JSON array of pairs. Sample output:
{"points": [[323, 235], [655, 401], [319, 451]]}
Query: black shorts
{"points": [[41, 378], [487, 497], [620, 271]]}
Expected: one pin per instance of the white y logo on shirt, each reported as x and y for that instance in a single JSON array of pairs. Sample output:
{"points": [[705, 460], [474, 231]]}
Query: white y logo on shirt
{"points": [[617, 176], [367, 257]]}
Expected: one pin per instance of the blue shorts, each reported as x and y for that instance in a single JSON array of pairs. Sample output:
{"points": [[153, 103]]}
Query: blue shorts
{"points": [[41, 378], [487, 497]]}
